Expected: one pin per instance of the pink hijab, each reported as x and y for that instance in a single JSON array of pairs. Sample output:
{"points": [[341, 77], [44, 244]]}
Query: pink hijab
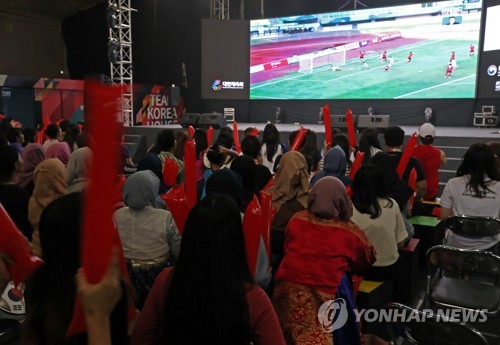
{"points": [[328, 199], [59, 150], [33, 155]]}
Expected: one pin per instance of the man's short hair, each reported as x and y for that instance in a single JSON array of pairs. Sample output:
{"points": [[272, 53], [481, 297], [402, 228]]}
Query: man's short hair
{"points": [[165, 140], [394, 136], [250, 146], [52, 131]]}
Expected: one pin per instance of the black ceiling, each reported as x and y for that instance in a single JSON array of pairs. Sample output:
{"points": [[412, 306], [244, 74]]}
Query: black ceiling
{"points": [[45, 8]]}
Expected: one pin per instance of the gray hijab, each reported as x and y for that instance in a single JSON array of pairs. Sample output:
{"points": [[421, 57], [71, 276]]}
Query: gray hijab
{"points": [[78, 169], [141, 189]]}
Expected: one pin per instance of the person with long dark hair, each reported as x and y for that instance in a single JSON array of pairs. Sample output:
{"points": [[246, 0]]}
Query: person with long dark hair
{"points": [[51, 290], [209, 295], [271, 146], [474, 192], [380, 219], [369, 143]]}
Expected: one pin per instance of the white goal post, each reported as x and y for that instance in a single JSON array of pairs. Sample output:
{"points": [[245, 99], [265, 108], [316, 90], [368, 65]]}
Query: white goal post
{"points": [[327, 57]]}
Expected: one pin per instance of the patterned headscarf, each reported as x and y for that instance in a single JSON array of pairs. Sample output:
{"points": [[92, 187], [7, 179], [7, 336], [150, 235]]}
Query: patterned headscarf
{"points": [[291, 180]]}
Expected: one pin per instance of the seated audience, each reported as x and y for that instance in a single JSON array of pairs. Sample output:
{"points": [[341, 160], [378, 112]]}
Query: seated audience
{"points": [[59, 150], [289, 196], [250, 146], [152, 162], [33, 155], [165, 145], [309, 147], [78, 169], [335, 164], [212, 278], [227, 182], [244, 166], [431, 159], [316, 260], [271, 146], [51, 290], [29, 136], [495, 148], [16, 139], [369, 143], [380, 219], [149, 236], [50, 184], [53, 133], [14, 198], [394, 137], [70, 135], [474, 192]]}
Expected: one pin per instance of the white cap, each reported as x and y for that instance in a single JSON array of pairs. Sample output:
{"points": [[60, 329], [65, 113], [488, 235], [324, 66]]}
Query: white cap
{"points": [[427, 130]]}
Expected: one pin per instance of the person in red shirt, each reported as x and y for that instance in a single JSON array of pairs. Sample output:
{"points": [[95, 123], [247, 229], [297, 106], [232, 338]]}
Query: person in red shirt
{"points": [[452, 56], [362, 55], [449, 70], [209, 295], [410, 55], [471, 50], [430, 158]]}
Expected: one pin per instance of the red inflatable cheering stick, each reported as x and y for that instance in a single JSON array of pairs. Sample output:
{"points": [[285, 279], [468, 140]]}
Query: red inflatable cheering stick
{"points": [[328, 125]]}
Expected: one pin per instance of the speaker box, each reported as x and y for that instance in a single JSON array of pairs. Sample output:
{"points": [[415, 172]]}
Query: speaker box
{"points": [[340, 121], [373, 121], [189, 119], [217, 121]]}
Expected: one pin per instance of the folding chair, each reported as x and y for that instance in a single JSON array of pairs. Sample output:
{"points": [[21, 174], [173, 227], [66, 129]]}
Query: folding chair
{"points": [[419, 328], [466, 279], [473, 226]]}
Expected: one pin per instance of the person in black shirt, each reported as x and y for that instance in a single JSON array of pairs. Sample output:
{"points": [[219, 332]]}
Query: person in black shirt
{"points": [[13, 198]]}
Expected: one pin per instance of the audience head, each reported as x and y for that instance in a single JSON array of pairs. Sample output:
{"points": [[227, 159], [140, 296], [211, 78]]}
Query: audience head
{"points": [[369, 139], [480, 165], [53, 131], [335, 161], [15, 135], [343, 142], [368, 186], [64, 125], [262, 175], [427, 133], [83, 139], [244, 166], [211, 276], [165, 141], [50, 180], [33, 155], [10, 164], [180, 139], [70, 134], [215, 155], [141, 189], [200, 140], [388, 167], [153, 163], [60, 151], [226, 130], [79, 169], [227, 182], [328, 199], [225, 140], [394, 136], [249, 131], [291, 180], [271, 137], [250, 146], [29, 135]]}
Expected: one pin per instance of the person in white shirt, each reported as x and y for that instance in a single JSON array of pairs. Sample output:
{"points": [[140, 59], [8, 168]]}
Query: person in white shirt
{"points": [[474, 192]]}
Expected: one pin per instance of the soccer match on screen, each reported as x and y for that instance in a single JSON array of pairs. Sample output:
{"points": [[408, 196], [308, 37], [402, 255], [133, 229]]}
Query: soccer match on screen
{"points": [[426, 50]]}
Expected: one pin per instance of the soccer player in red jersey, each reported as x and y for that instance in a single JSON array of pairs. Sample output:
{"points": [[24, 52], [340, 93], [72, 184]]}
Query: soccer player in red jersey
{"points": [[449, 70], [384, 57], [410, 56], [471, 50], [362, 55]]}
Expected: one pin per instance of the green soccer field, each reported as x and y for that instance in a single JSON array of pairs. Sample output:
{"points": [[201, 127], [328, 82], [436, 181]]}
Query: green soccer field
{"points": [[422, 78]]}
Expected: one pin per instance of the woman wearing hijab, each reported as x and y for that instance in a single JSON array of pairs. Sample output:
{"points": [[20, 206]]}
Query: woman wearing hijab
{"points": [[149, 236], [335, 165], [50, 184], [33, 155], [78, 169], [324, 232], [289, 195], [59, 150]]}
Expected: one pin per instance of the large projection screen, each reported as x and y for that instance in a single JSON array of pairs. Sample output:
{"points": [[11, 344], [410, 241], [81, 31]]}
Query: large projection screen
{"points": [[399, 52], [224, 67]]}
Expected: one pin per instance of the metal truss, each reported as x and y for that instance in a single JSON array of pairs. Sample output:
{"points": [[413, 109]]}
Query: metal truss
{"points": [[219, 9], [119, 18]]}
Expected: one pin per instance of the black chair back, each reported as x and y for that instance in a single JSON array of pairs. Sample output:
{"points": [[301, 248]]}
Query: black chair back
{"points": [[473, 226]]}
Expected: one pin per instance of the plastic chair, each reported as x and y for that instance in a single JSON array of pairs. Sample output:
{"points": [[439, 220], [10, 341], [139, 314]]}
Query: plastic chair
{"points": [[419, 328], [466, 279]]}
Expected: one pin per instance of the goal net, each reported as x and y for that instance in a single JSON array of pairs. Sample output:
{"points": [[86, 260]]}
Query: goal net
{"points": [[327, 57]]}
